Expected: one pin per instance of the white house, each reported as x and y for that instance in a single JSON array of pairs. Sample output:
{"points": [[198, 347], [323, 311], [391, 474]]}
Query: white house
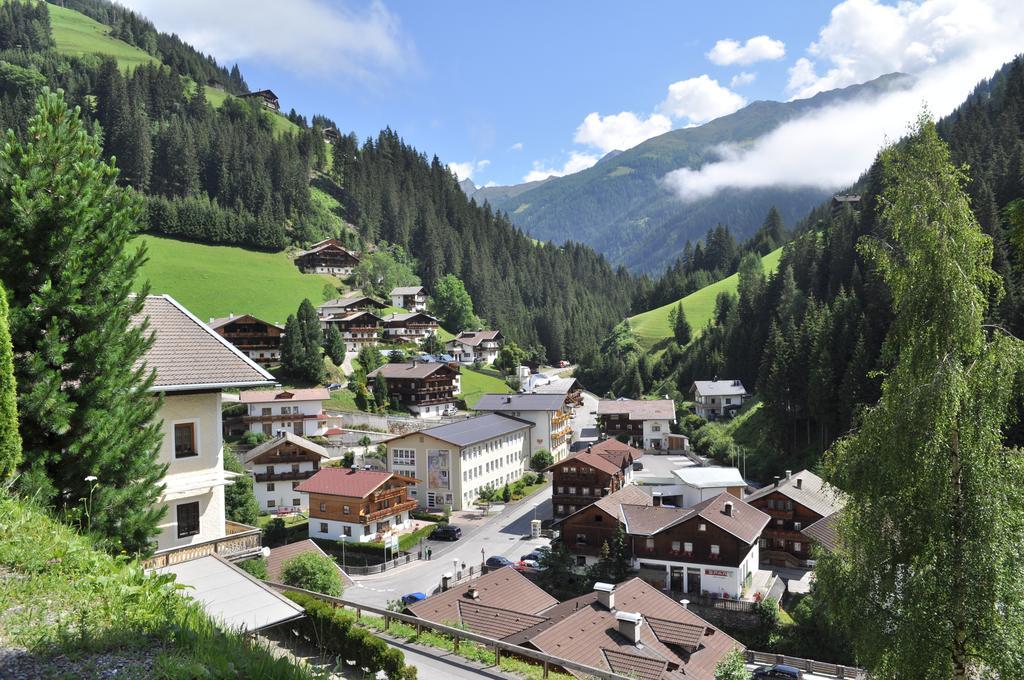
{"points": [[192, 364], [409, 298], [713, 399], [409, 327], [698, 484], [296, 411], [646, 423], [278, 466], [550, 415], [469, 347], [357, 505]]}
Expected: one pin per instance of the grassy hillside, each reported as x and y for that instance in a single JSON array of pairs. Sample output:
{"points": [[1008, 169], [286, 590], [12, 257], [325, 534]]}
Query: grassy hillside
{"points": [[475, 384], [282, 125], [77, 34], [218, 280], [652, 326]]}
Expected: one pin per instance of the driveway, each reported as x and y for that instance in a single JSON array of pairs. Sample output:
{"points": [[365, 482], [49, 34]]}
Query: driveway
{"points": [[584, 423]]}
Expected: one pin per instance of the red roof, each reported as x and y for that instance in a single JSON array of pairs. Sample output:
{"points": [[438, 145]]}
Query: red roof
{"points": [[347, 482], [263, 396]]}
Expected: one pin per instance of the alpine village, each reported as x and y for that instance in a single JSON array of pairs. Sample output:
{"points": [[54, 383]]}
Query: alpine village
{"points": [[736, 393]]}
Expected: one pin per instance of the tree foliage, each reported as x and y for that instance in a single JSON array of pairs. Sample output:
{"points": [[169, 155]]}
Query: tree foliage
{"points": [[315, 572], [732, 666], [240, 504], [452, 306], [541, 460], [384, 269], [10, 438]]}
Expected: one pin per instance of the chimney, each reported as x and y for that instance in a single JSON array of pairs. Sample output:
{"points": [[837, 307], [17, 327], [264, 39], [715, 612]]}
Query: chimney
{"points": [[657, 498], [473, 593], [789, 475], [799, 483], [605, 594], [685, 603], [508, 400], [728, 508], [629, 625], [776, 481]]}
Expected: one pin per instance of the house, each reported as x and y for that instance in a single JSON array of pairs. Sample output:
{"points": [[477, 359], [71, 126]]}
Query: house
{"points": [[409, 327], [841, 201], [591, 474], [698, 484], [551, 418], [793, 503], [645, 423], [409, 298], [823, 532], [349, 304], [278, 466], [713, 399], [540, 383], [331, 135], [329, 256], [427, 390], [259, 340], [357, 505], [710, 548], [469, 347], [298, 411], [630, 629], [456, 461], [268, 98], [358, 329], [192, 365]]}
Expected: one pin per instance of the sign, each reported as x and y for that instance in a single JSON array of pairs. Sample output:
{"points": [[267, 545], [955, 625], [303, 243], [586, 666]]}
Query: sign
{"points": [[715, 572], [391, 541]]}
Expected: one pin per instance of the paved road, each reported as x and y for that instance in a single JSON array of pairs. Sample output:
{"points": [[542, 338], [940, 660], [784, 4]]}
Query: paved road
{"points": [[584, 423], [506, 534]]}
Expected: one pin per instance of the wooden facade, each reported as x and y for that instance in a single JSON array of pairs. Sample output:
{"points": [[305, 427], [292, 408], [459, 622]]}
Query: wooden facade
{"points": [[431, 385], [388, 500], [269, 99], [284, 462], [576, 484], [327, 257], [258, 339], [782, 541]]}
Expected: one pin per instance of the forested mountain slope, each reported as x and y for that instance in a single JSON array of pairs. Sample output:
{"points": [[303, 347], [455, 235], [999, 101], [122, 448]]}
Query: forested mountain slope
{"points": [[622, 209]]}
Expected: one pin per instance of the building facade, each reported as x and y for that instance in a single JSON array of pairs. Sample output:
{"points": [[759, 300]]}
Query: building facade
{"points": [[298, 411], [357, 505], [259, 340], [409, 298], [278, 466], [426, 390], [358, 329], [349, 304], [469, 347], [714, 399], [588, 476], [411, 327], [794, 503], [550, 415], [328, 257], [645, 423]]}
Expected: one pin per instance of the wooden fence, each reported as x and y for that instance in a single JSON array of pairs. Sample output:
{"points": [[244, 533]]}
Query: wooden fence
{"points": [[807, 665]]}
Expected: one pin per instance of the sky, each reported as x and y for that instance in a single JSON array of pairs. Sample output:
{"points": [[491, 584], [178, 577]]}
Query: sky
{"points": [[517, 91]]}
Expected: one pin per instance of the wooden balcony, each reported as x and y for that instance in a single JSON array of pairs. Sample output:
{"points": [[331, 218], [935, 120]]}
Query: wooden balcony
{"points": [[284, 476], [389, 512], [386, 493], [240, 541], [284, 416]]}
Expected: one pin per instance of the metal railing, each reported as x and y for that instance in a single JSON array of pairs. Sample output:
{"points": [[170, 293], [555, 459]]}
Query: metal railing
{"points": [[806, 665]]}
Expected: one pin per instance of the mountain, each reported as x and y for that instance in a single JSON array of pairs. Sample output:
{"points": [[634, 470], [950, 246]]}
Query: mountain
{"points": [[621, 208], [503, 193]]}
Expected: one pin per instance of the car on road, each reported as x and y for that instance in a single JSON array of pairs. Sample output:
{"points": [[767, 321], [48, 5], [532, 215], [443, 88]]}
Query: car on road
{"points": [[528, 566], [532, 555], [413, 597], [334, 387], [445, 532], [563, 364], [497, 562], [778, 672]]}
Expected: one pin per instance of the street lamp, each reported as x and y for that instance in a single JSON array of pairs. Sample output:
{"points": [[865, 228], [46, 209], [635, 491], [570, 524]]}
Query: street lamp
{"points": [[535, 506]]}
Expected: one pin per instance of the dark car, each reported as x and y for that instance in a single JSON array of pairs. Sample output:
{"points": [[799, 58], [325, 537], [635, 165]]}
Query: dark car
{"points": [[497, 562], [778, 672], [535, 556], [445, 532], [413, 597]]}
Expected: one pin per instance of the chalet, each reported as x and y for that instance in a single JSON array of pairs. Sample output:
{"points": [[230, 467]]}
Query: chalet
{"points": [[300, 412], [349, 304], [469, 347], [709, 549], [409, 327], [331, 135], [841, 201], [426, 390], [259, 340], [645, 423], [713, 399], [357, 505], [268, 98], [278, 466], [823, 532], [192, 365], [551, 418], [457, 460], [409, 298], [357, 328], [793, 503], [589, 475], [327, 257]]}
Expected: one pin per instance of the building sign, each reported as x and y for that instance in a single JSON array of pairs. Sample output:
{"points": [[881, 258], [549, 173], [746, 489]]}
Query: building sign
{"points": [[437, 469], [715, 572]]}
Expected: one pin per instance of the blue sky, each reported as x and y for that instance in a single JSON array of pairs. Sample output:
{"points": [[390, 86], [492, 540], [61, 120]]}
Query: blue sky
{"points": [[503, 91]]}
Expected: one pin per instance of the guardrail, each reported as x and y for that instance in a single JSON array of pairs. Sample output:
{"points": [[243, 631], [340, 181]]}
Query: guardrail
{"points": [[807, 665], [458, 635]]}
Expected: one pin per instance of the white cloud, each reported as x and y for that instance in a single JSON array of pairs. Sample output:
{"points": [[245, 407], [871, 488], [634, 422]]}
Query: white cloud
{"points": [[831, 147], [742, 78], [865, 39], [518, 146], [577, 161], [759, 48], [699, 100], [340, 39], [620, 130], [467, 169]]}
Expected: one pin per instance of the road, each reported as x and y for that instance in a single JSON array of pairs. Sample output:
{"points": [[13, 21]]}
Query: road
{"points": [[584, 423], [507, 534]]}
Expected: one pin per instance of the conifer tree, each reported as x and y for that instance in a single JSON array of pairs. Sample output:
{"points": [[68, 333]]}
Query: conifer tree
{"points": [[291, 346], [85, 411], [10, 438], [680, 326], [334, 345]]}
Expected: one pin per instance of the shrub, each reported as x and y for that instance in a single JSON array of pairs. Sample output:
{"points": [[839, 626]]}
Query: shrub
{"points": [[311, 571], [426, 516], [256, 567], [541, 460], [254, 438], [275, 533]]}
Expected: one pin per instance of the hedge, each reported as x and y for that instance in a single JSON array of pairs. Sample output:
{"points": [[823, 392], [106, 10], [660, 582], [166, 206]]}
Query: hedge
{"points": [[427, 516], [333, 631]]}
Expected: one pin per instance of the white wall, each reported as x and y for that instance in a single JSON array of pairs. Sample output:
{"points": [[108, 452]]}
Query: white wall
{"points": [[651, 434], [283, 494], [336, 530], [310, 426]]}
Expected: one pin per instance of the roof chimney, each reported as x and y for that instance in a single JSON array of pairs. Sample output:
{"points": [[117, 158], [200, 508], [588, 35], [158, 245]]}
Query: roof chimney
{"points": [[473, 593], [685, 603], [777, 481], [605, 594], [656, 496], [728, 508], [799, 483], [629, 625], [789, 475]]}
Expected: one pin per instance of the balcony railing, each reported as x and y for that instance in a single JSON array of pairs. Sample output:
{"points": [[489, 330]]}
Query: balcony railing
{"points": [[389, 512], [284, 416], [284, 476], [240, 541], [385, 494]]}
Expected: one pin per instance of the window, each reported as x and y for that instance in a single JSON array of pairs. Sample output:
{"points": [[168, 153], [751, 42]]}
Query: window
{"points": [[265, 411], [270, 486], [295, 467], [323, 527], [366, 530], [778, 523], [295, 485], [572, 490], [688, 548], [762, 542], [598, 517], [403, 457], [270, 469], [714, 550], [296, 502], [702, 527], [346, 531], [560, 509], [286, 410], [561, 489], [797, 526], [323, 507], [185, 440], [581, 561], [649, 544], [581, 539], [675, 546], [796, 546], [271, 503], [344, 510], [728, 400], [655, 428], [188, 519]]}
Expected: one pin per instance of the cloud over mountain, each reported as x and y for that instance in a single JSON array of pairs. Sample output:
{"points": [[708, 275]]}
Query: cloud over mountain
{"points": [[759, 48]]}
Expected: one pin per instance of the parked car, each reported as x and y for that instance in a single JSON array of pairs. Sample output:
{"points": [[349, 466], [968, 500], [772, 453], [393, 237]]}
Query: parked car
{"points": [[334, 387], [527, 566], [445, 532], [497, 562], [532, 555], [778, 672], [413, 597]]}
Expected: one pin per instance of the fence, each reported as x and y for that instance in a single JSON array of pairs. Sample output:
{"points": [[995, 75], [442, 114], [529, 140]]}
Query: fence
{"points": [[713, 602], [382, 567], [391, 424], [807, 665]]}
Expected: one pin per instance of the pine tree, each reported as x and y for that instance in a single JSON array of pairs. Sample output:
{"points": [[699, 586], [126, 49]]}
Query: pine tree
{"points": [[291, 346], [334, 345], [380, 392], [681, 327], [85, 408], [10, 438], [240, 503]]}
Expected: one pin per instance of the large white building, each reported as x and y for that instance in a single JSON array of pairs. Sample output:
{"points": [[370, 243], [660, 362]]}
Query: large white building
{"points": [[469, 347], [454, 462], [296, 411], [278, 466], [549, 414], [192, 364]]}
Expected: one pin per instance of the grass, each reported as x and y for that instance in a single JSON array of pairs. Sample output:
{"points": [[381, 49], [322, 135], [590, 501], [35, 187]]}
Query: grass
{"points": [[71, 605], [652, 326], [220, 280], [476, 384], [289, 520], [281, 124], [77, 34]]}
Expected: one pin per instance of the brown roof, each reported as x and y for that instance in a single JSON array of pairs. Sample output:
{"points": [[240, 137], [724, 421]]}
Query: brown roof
{"points": [[407, 290], [474, 338], [616, 451], [415, 369], [639, 409], [347, 482], [324, 245], [278, 556], [224, 320], [627, 495], [286, 395], [813, 493], [188, 354], [823, 532], [280, 440], [591, 459], [503, 588], [640, 664], [351, 300], [645, 519], [495, 622]]}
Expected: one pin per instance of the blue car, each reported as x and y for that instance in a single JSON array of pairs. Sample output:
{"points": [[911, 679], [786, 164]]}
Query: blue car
{"points": [[497, 562], [413, 597]]}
